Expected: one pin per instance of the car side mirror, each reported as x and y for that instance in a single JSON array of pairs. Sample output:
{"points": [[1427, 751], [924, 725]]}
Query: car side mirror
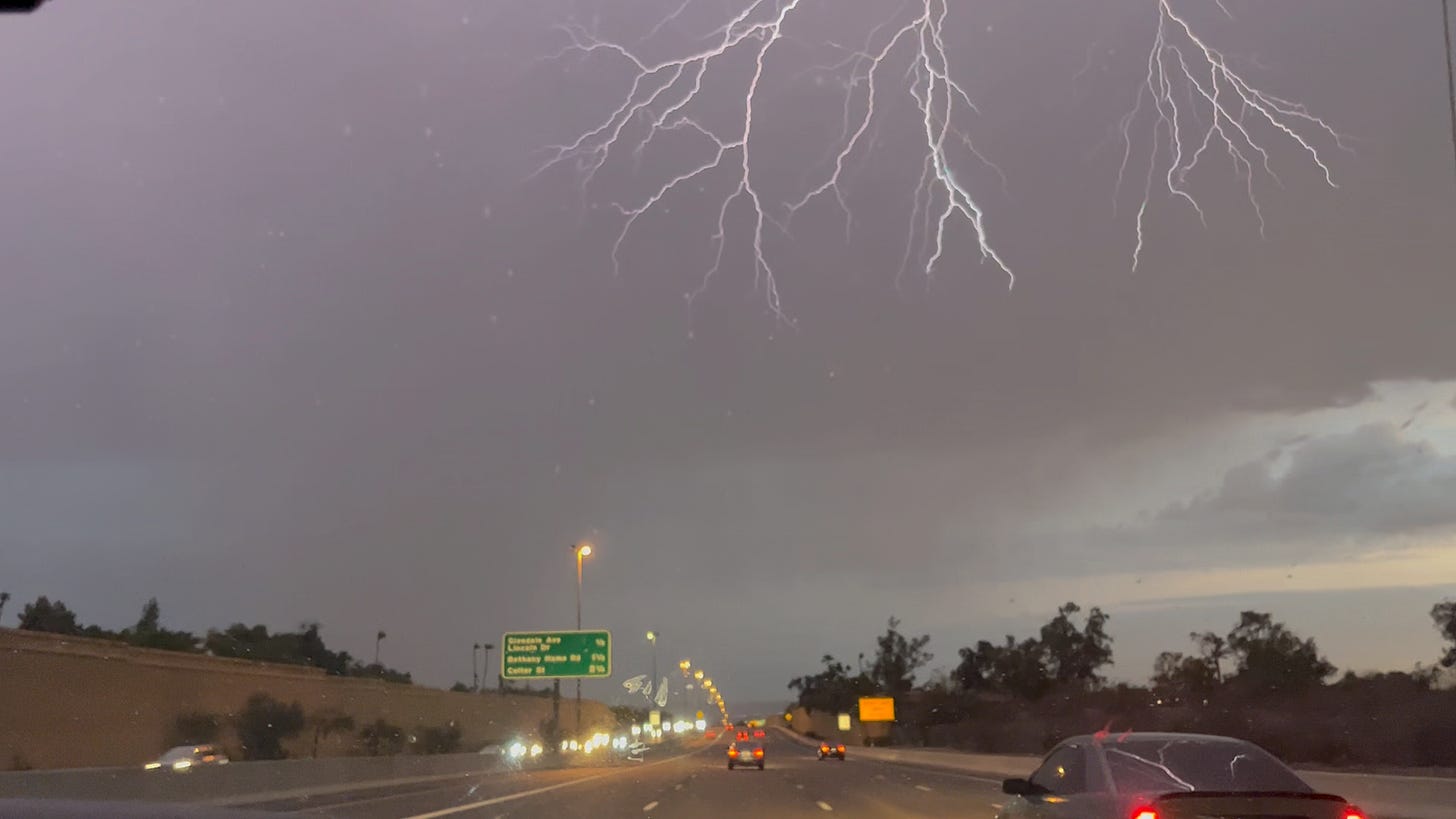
{"points": [[1017, 787]]}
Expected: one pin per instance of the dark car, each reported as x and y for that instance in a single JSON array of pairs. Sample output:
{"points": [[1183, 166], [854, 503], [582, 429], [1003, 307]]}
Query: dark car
{"points": [[742, 752], [826, 750], [1165, 776]]}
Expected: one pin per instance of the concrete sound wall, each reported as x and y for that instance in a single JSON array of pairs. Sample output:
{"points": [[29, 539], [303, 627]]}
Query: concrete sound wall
{"points": [[75, 702]]}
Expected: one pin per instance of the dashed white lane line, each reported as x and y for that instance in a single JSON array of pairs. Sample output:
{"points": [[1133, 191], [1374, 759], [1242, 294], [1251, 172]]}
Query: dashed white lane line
{"points": [[824, 806], [921, 788], [649, 806], [677, 787], [800, 787]]}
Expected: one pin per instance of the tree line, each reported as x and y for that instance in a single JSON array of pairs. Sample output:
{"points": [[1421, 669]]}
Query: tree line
{"points": [[302, 647], [1258, 655]]}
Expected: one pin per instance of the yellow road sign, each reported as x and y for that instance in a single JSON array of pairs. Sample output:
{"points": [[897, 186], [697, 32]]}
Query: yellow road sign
{"points": [[876, 709]]}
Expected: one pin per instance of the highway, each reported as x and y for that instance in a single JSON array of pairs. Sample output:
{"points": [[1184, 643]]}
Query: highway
{"points": [[696, 784]]}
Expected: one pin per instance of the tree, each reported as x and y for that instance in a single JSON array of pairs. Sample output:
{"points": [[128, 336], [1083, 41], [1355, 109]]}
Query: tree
{"points": [[832, 689], [1444, 615], [1016, 668], [1179, 678], [148, 632], [4, 598], [1213, 649], [382, 739], [327, 722], [897, 659], [1270, 657], [264, 723], [1073, 656], [43, 615]]}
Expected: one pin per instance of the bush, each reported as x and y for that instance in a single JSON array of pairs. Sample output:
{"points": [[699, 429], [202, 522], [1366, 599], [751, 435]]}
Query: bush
{"points": [[381, 739], [195, 728], [263, 725], [444, 739]]}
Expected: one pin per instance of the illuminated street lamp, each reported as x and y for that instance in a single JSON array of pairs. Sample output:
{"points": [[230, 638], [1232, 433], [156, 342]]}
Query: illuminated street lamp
{"points": [[698, 675], [583, 551], [652, 638]]}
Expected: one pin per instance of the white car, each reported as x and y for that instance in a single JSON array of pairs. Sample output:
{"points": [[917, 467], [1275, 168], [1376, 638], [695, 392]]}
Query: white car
{"points": [[187, 757]]}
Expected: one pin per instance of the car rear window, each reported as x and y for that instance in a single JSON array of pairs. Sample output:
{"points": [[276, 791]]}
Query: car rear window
{"points": [[1160, 766]]}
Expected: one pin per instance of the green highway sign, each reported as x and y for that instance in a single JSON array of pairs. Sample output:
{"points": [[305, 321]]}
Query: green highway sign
{"points": [[538, 655]]}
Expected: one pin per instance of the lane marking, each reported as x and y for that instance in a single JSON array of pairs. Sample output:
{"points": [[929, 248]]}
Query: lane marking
{"points": [[677, 787], [921, 788], [800, 787], [510, 797], [649, 806], [823, 806]]}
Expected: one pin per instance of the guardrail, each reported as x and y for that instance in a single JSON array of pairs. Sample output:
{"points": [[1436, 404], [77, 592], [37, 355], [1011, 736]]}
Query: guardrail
{"points": [[1382, 796]]}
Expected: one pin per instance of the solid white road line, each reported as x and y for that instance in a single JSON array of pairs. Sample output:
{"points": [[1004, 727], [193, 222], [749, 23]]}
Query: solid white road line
{"points": [[649, 806], [921, 788], [823, 806]]}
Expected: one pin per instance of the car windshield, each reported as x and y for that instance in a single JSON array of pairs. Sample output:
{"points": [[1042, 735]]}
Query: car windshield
{"points": [[1164, 765], [428, 408]]}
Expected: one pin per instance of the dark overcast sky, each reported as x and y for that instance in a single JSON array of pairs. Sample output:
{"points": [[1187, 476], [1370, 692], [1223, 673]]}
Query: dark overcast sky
{"points": [[288, 332]]}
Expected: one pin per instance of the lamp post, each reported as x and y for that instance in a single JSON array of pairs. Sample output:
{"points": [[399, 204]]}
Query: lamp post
{"points": [[583, 551], [485, 662], [475, 667], [652, 638]]}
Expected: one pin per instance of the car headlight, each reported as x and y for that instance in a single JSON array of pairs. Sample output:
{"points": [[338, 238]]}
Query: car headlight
{"points": [[181, 764]]}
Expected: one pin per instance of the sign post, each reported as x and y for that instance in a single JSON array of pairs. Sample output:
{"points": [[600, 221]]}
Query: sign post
{"points": [[545, 655]]}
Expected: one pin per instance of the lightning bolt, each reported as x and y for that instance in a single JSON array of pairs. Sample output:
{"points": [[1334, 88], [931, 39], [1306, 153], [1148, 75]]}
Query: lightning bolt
{"points": [[661, 94], [1217, 100], [1196, 103]]}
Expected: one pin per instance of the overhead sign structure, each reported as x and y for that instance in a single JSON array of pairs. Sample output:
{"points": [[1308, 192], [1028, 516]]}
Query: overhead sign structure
{"points": [[876, 709], [537, 655]]}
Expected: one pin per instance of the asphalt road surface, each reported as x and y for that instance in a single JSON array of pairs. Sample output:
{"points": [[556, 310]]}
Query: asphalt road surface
{"points": [[697, 784]]}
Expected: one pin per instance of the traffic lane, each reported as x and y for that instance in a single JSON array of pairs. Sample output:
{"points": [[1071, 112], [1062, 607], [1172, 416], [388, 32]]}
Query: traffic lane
{"points": [[795, 784], [379, 802]]}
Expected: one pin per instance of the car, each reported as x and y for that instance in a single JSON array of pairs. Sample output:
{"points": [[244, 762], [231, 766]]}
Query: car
{"points": [[1165, 776], [741, 736], [758, 733], [187, 757], [745, 753], [826, 750]]}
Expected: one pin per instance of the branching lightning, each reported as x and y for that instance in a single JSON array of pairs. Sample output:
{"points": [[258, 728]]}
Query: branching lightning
{"points": [[1195, 100], [661, 94], [1226, 107]]}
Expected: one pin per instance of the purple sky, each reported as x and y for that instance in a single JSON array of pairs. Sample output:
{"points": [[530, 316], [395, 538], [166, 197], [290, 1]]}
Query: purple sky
{"points": [[290, 331]]}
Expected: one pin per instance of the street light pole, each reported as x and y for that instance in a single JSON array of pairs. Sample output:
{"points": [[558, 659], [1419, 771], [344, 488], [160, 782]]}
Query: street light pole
{"points": [[475, 667], [652, 638], [583, 550]]}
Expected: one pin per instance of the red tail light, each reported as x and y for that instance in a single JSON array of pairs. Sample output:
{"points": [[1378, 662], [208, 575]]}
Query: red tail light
{"points": [[1145, 813], [1352, 812], [733, 752], [841, 749], [758, 752]]}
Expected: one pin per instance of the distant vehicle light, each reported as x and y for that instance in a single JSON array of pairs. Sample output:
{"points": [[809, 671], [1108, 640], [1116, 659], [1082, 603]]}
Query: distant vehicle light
{"points": [[758, 752], [636, 730], [537, 750], [1352, 812], [152, 766], [1144, 813], [733, 752], [181, 764]]}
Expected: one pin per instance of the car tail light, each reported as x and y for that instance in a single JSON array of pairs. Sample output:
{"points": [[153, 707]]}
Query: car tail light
{"points": [[840, 749], [1352, 812], [1145, 813], [758, 752]]}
